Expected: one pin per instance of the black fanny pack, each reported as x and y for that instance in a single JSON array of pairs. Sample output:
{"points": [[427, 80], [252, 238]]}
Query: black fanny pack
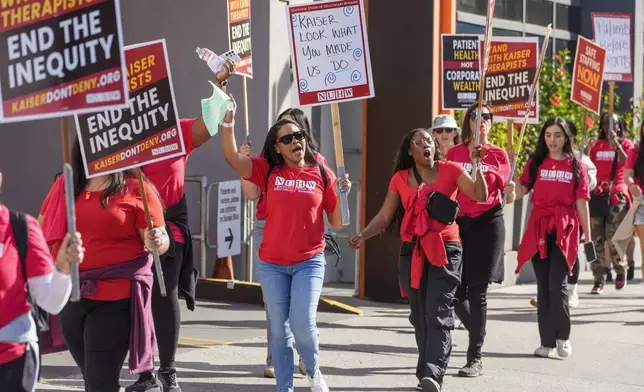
{"points": [[440, 207]]}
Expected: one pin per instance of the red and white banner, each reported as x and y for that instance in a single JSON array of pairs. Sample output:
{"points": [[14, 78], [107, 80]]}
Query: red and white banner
{"points": [[588, 75], [60, 58], [614, 33], [147, 131], [330, 52]]}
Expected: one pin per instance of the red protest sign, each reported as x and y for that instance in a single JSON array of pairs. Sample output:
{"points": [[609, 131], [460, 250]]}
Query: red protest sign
{"points": [[147, 130], [60, 58], [239, 35], [330, 52], [512, 65], [588, 75]]}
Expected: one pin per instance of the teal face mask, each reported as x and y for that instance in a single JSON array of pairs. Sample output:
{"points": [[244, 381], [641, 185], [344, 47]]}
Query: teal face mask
{"points": [[213, 109]]}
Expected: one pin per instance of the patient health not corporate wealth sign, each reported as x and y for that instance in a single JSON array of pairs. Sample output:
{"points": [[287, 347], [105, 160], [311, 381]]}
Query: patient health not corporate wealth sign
{"points": [[330, 52], [147, 130], [59, 58]]}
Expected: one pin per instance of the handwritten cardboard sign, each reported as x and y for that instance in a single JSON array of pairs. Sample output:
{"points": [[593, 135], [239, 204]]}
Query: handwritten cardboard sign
{"points": [[330, 52], [613, 32], [588, 75]]}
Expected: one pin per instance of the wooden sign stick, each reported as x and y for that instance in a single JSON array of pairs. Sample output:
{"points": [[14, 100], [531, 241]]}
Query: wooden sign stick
{"points": [[245, 94], [339, 161], [70, 202], [155, 253]]}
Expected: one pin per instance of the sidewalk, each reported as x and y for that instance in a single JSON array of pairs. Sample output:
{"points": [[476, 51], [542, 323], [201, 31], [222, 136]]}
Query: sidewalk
{"points": [[376, 351]]}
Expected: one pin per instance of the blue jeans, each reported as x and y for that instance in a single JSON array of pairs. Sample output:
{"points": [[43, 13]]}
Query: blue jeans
{"points": [[291, 294]]}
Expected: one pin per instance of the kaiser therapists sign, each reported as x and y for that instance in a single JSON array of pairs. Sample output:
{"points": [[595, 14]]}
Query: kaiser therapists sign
{"points": [[60, 57], [147, 131]]}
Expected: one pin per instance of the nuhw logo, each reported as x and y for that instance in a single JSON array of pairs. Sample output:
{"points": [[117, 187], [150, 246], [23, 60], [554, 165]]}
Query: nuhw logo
{"points": [[556, 175], [294, 185], [605, 155], [468, 167]]}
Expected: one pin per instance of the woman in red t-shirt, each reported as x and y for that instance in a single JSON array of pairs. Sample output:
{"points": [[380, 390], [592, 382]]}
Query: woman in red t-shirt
{"points": [[253, 192], [559, 182], [609, 154], [482, 230], [114, 315], [291, 271], [35, 273], [421, 173]]}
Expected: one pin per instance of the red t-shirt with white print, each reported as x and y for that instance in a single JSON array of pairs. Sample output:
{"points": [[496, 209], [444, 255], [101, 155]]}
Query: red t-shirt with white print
{"points": [[13, 288], [602, 155], [296, 202], [555, 183]]}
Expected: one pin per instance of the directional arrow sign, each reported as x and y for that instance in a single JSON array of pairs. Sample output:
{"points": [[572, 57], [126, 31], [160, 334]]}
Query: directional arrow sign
{"points": [[229, 218]]}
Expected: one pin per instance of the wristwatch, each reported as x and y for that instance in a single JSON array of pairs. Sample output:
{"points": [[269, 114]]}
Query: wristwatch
{"points": [[228, 125]]}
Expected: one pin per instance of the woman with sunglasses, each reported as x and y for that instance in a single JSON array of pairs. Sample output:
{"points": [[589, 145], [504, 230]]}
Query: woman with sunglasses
{"points": [[253, 192], [420, 172], [559, 182], [446, 131], [291, 272], [609, 154], [482, 231]]}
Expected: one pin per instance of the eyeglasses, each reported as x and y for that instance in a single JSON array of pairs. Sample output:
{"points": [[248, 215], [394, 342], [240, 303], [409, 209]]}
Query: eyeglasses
{"points": [[441, 130], [288, 139], [484, 116], [422, 142]]}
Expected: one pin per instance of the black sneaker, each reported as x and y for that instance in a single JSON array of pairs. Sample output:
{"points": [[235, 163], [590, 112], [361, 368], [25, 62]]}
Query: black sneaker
{"points": [[428, 384], [474, 368], [609, 277], [598, 288], [168, 380], [146, 383], [631, 271]]}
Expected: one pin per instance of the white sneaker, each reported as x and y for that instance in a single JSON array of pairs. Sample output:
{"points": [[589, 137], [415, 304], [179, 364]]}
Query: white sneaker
{"points": [[564, 348], [573, 297], [317, 382], [545, 352]]}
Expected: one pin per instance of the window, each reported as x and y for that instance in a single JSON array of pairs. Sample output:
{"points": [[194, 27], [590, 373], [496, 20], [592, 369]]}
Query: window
{"points": [[550, 42], [568, 18], [474, 6], [509, 9], [468, 28], [506, 33], [539, 12]]}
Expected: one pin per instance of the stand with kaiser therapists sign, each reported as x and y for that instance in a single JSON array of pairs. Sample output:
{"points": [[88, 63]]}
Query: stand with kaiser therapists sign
{"points": [[146, 131], [331, 62]]}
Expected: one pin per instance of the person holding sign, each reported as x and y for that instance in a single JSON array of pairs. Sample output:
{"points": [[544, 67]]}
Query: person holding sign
{"points": [[482, 231], [559, 182], [298, 192], [610, 200], [421, 206], [178, 266], [253, 192], [29, 277], [114, 315]]}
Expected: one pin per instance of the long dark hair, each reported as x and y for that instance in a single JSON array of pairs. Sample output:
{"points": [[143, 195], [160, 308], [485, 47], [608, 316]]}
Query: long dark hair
{"points": [[117, 180], [466, 132], [541, 150], [303, 123], [602, 132], [638, 171], [277, 160], [404, 161]]}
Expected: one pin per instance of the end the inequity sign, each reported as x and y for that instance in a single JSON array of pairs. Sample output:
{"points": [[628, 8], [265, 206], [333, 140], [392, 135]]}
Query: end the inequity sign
{"points": [[147, 130], [330, 52], [59, 58]]}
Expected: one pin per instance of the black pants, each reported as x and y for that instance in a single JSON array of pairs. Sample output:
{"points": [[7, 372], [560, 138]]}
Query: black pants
{"points": [[471, 309], [432, 314], [574, 278], [20, 375], [165, 310], [97, 334], [553, 313]]}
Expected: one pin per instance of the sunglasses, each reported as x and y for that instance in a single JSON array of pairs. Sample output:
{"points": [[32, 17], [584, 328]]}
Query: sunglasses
{"points": [[422, 142], [288, 139], [484, 116], [441, 130]]}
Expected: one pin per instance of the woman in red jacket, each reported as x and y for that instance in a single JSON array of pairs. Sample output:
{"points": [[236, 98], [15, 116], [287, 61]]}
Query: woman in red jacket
{"points": [[427, 234], [48, 284], [114, 315], [559, 182], [482, 230]]}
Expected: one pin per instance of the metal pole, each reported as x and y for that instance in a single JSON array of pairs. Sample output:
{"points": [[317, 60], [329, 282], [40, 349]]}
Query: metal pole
{"points": [[356, 256], [203, 202]]}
